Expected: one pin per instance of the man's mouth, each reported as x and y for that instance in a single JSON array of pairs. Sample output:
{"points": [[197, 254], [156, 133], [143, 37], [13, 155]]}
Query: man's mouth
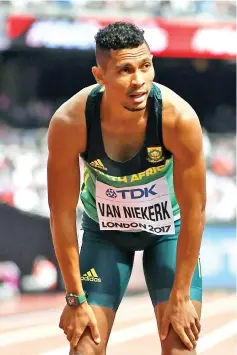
{"points": [[138, 94]]}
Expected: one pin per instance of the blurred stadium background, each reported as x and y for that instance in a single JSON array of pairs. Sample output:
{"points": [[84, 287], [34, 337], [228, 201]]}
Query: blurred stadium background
{"points": [[46, 55]]}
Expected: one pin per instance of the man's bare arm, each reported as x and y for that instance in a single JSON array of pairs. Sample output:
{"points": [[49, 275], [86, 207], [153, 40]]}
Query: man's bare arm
{"points": [[66, 140], [183, 138]]}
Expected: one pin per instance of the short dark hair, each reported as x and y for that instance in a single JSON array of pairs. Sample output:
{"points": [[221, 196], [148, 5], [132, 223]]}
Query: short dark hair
{"points": [[119, 35]]}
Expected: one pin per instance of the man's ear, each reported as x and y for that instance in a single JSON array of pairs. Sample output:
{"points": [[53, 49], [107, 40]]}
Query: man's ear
{"points": [[98, 75]]}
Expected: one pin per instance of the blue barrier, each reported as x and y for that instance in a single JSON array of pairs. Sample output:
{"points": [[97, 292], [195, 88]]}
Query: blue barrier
{"points": [[218, 257]]}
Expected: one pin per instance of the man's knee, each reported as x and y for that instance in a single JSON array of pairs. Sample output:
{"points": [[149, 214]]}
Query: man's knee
{"points": [[88, 350], [87, 346], [174, 350], [173, 345]]}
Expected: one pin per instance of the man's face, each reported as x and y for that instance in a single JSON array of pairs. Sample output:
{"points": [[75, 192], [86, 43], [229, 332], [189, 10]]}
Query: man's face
{"points": [[128, 77]]}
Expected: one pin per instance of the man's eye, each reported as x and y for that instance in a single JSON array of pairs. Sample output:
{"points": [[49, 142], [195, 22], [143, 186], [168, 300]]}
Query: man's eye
{"points": [[146, 65], [125, 70]]}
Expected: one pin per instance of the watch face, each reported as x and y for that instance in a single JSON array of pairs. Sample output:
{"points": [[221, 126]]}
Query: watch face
{"points": [[71, 301]]}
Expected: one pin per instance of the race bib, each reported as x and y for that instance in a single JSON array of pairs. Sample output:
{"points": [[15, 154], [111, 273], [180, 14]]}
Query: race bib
{"points": [[144, 207]]}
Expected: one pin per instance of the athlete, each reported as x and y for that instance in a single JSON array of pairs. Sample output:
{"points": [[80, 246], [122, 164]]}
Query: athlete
{"points": [[143, 189]]}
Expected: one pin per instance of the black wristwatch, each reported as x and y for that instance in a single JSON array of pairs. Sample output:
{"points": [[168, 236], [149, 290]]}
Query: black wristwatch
{"points": [[75, 300]]}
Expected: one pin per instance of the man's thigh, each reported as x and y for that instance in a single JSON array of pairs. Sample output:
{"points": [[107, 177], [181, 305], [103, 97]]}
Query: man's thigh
{"points": [[105, 270], [159, 267], [86, 346], [159, 264], [105, 273], [173, 345]]}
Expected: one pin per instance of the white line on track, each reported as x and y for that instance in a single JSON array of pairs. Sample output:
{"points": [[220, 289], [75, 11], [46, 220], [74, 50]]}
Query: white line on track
{"points": [[127, 311], [36, 318], [145, 310], [217, 336], [138, 331], [210, 309], [43, 316]]}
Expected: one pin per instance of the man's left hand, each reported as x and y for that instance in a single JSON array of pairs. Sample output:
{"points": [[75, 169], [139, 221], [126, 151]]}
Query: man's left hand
{"points": [[184, 320]]}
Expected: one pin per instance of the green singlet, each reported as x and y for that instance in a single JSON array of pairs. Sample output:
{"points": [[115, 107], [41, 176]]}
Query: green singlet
{"points": [[129, 206]]}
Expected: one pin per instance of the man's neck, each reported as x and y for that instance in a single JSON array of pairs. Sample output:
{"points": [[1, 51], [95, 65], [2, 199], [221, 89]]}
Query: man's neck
{"points": [[116, 114]]}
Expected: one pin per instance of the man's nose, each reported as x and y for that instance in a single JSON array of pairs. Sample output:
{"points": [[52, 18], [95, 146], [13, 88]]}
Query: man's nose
{"points": [[138, 79]]}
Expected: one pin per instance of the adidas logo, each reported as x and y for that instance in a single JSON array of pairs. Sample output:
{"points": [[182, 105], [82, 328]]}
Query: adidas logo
{"points": [[91, 276], [98, 164]]}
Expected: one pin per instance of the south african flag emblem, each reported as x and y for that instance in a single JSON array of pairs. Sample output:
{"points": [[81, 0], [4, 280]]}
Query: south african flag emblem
{"points": [[154, 154]]}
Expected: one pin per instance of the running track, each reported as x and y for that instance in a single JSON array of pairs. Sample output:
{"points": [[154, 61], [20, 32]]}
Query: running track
{"points": [[29, 326]]}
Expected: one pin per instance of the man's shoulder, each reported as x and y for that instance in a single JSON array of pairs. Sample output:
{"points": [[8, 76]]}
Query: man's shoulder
{"points": [[68, 122], [173, 105], [74, 108], [171, 98], [180, 124]]}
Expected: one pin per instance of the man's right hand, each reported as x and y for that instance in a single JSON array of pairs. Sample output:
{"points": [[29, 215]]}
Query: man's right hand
{"points": [[74, 321]]}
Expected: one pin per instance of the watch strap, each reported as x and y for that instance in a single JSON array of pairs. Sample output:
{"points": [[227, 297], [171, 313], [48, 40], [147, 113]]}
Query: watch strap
{"points": [[75, 300]]}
